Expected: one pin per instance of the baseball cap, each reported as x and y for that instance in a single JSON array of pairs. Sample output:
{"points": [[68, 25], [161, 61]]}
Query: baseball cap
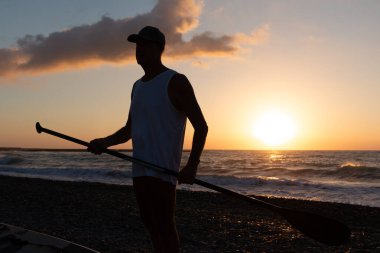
{"points": [[148, 33]]}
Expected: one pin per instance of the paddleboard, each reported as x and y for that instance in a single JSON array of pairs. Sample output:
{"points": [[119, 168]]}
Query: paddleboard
{"points": [[20, 240]]}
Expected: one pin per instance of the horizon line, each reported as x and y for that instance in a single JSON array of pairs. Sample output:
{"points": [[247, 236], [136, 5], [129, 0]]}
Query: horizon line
{"points": [[184, 150]]}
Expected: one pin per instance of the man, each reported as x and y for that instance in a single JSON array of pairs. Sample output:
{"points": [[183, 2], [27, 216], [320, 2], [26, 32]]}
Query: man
{"points": [[161, 102]]}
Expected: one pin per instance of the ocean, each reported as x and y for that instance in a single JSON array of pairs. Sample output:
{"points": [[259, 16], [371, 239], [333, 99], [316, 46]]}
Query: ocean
{"points": [[334, 176]]}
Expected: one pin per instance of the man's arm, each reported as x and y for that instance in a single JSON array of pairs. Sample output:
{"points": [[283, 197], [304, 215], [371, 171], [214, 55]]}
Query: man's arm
{"points": [[183, 98], [122, 135]]}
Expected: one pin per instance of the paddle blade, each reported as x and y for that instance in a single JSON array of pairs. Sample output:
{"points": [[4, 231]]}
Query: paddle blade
{"points": [[320, 228]]}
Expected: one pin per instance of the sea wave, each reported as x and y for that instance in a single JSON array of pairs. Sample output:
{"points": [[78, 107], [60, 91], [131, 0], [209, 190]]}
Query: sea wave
{"points": [[344, 173], [72, 174], [10, 159], [360, 172]]}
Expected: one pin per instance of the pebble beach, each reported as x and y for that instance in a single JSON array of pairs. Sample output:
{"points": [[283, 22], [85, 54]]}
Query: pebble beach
{"points": [[105, 217]]}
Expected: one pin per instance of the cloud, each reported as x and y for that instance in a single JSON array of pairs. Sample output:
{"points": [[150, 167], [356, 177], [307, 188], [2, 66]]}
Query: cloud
{"points": [[105, 41]]}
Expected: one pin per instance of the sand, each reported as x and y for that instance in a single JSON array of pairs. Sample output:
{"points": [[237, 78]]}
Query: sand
{"points": [[105, 218]]}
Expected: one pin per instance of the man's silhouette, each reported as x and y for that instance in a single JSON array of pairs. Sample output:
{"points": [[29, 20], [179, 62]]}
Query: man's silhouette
{"points": [[161, 102]]}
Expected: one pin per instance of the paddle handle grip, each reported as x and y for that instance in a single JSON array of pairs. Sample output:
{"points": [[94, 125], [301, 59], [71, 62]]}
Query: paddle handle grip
{"points": [[40, 129]]}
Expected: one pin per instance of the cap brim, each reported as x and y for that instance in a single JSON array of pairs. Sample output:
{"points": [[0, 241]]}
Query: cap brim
{"points": [[133, 38]]}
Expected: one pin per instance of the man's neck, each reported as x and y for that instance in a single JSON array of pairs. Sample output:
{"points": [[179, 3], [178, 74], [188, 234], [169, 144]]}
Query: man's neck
{"points": [[152, 71]]}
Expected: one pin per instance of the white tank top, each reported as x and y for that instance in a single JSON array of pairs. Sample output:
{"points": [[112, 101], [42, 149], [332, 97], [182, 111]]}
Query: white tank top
{"points": [[158, 128]]}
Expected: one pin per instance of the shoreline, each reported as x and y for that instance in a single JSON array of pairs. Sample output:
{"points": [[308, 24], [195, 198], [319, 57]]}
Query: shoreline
{"points": [[105, 217]]}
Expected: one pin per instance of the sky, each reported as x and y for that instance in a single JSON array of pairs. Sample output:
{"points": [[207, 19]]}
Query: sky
{"points": [[67, 65]]}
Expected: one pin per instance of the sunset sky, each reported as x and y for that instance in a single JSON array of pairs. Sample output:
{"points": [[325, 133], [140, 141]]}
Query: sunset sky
{"points": [[315, 63]]}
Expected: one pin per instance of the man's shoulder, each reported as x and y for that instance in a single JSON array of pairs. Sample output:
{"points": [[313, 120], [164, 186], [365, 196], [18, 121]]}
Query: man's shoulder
{"points": [[179, 80], [179, 86]]}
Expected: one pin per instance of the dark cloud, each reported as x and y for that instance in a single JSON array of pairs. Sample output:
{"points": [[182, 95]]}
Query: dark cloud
{"points": [[105, 41]]}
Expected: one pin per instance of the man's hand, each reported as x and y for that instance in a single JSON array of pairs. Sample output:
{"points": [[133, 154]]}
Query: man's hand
{"points": [[97, 146], [187, 174]]}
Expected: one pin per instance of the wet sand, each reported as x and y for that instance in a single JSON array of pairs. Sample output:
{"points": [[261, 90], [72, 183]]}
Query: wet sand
{"points": [[105, 218]]}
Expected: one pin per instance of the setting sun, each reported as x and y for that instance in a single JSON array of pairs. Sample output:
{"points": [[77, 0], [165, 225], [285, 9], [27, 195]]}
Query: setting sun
{"points": [[274, 128]]}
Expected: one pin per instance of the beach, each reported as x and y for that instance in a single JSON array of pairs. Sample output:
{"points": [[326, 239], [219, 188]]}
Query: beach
{"points": [[105, 217]]}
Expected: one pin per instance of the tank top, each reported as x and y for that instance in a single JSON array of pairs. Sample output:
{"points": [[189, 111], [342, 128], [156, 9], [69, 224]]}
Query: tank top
{"points": [[157, 127]]}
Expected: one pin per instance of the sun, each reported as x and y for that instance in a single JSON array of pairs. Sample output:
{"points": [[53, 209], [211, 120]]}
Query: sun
{"points": [[274, 128]]}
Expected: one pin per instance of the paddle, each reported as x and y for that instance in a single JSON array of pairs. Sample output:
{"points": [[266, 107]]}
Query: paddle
{"points": [[320, 228]]}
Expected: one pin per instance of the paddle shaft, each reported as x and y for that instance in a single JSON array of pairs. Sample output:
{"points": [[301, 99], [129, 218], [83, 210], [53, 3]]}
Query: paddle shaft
{"points": [[258, 202]]}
